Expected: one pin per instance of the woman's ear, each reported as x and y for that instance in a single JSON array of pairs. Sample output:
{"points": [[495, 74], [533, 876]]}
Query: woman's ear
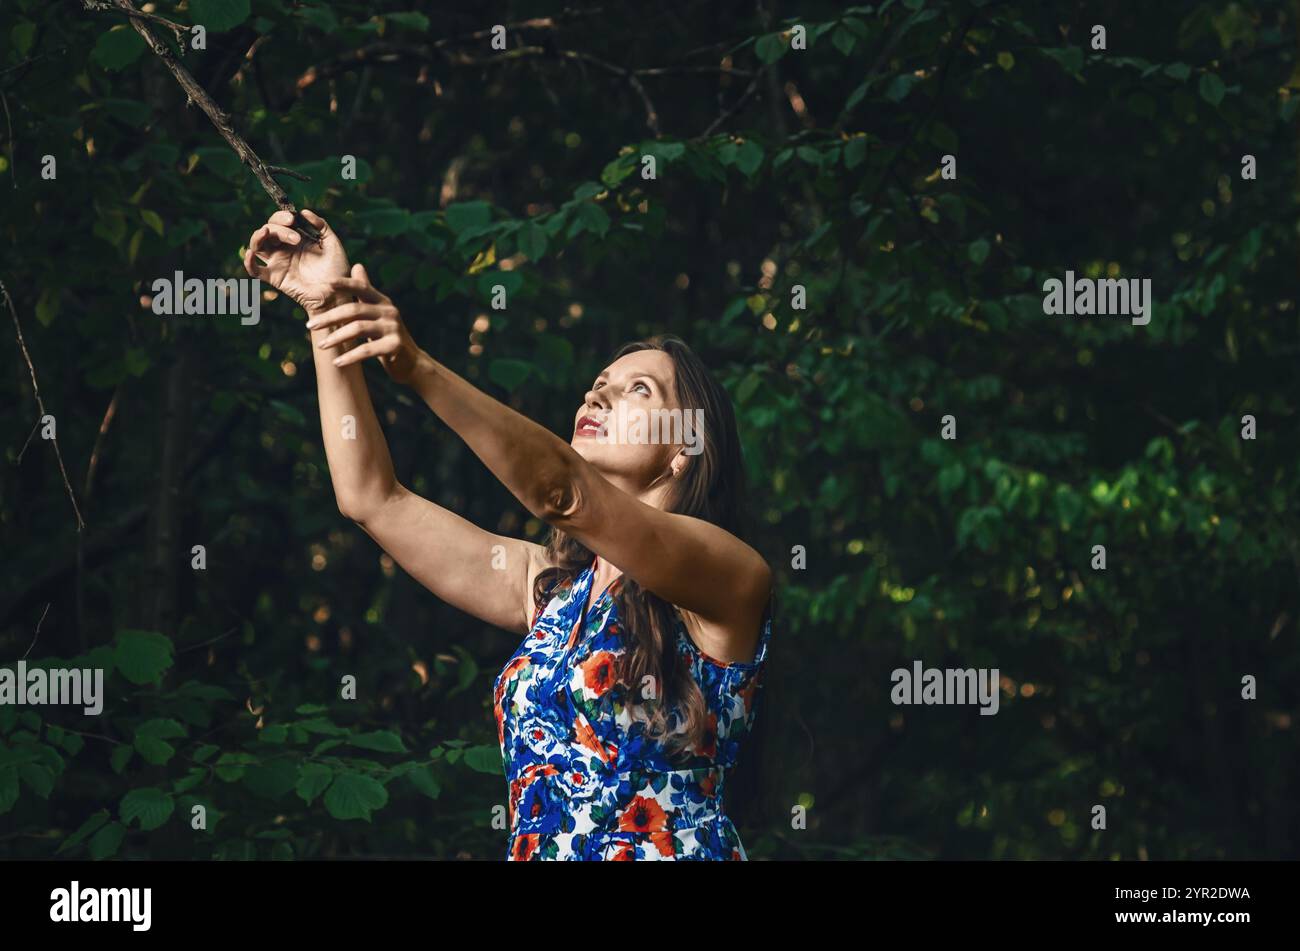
{"points": [[679, 463]]}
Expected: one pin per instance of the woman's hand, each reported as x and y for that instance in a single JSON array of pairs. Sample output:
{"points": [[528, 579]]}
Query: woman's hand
{"points": [[294, 265], [372, 320]]}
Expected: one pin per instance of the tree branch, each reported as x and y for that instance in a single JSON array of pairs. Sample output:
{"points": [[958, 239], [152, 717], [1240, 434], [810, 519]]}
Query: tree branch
{"points": [[102, 6], [40, 404], [196, 94]]}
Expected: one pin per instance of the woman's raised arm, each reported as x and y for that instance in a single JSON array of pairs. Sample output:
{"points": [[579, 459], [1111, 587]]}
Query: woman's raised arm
{"points": [[481, 573], [687, 561]]}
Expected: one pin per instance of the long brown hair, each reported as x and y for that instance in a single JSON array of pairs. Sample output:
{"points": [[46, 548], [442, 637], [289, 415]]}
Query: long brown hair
{"points": [[712, 488]]}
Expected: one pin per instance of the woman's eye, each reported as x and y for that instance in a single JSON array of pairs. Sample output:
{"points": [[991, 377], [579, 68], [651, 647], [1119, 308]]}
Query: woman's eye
{"points": [[645, 388]]}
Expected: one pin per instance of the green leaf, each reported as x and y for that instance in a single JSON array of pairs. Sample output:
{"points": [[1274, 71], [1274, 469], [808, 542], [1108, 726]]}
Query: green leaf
{"points": [[749, 157], [230, 767], [857, 95], [354, 796], [141, 656], [221, 161], [384, 222], [1179, 71], [855, 151], [322, 18], [532, 241], [150, 805], [324, 726], [424, 780], [86, 828], [510, 280], [1211, 88], [771, 47], [313, 779], [196, 775], [150, 740], [120, 756], [468, 214], [385, 741], [843, 40], [1070, 58], [409, 21], [617, 170], [747, 387], [978, 251], [47, 306], [119, 47], [22, 36], [509, 373], [219, 15], [152, 219], [484, 759], [593, 218], [107, 841], [39, 779], [900, 86]]}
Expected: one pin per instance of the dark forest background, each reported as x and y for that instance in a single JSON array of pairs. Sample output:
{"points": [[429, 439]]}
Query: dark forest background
{"points": [[777, 167]]}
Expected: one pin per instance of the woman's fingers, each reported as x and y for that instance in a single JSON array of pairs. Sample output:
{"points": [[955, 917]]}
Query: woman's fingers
{"points": [[345, 313], [287, 235], [269, 235], [314, 219], [251, 266], [361, 288], [375, 348], [358, 328]]}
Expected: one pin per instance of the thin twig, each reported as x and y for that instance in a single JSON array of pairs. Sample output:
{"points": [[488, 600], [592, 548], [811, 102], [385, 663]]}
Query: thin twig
{"points": [[38, 632], [100, 6], [13, 170], [196, 94], [736, 107], [206, 643], [40, 404], [22, 452], [99, 441], [32, 59], [281, 170]]}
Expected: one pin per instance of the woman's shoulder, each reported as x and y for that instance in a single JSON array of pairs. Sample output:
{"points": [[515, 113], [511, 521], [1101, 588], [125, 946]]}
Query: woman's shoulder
{"points": [[688, 636]]}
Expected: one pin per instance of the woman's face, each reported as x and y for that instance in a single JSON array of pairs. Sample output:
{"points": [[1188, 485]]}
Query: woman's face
{"points": [[630, 425]]}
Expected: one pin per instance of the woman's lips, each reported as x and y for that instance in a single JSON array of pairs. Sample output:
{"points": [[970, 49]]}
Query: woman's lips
{"points": [[588, 426]]}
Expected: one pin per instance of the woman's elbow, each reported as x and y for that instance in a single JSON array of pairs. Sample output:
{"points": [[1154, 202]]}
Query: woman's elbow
{"points": [[360, 507], [559, 499]]}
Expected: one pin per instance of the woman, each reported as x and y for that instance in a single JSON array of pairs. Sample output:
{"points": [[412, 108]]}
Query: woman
{"points": [[647, 620]]}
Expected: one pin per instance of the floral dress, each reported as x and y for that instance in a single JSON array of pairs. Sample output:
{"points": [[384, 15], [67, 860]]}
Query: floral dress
{"points": [[585, 781]]}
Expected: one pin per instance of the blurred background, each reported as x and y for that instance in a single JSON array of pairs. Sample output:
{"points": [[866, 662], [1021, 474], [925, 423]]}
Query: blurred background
{"points": [[795, 147]]}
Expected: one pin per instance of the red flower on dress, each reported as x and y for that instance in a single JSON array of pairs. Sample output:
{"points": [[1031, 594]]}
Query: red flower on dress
{"points": [[525, 846], [709, 783], [709, 741], [643, 815], [598, 673], [586, 736]]}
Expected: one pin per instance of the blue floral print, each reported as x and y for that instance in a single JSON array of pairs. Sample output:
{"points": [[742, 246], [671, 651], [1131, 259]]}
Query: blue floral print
{"points": [[585, 781]]}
